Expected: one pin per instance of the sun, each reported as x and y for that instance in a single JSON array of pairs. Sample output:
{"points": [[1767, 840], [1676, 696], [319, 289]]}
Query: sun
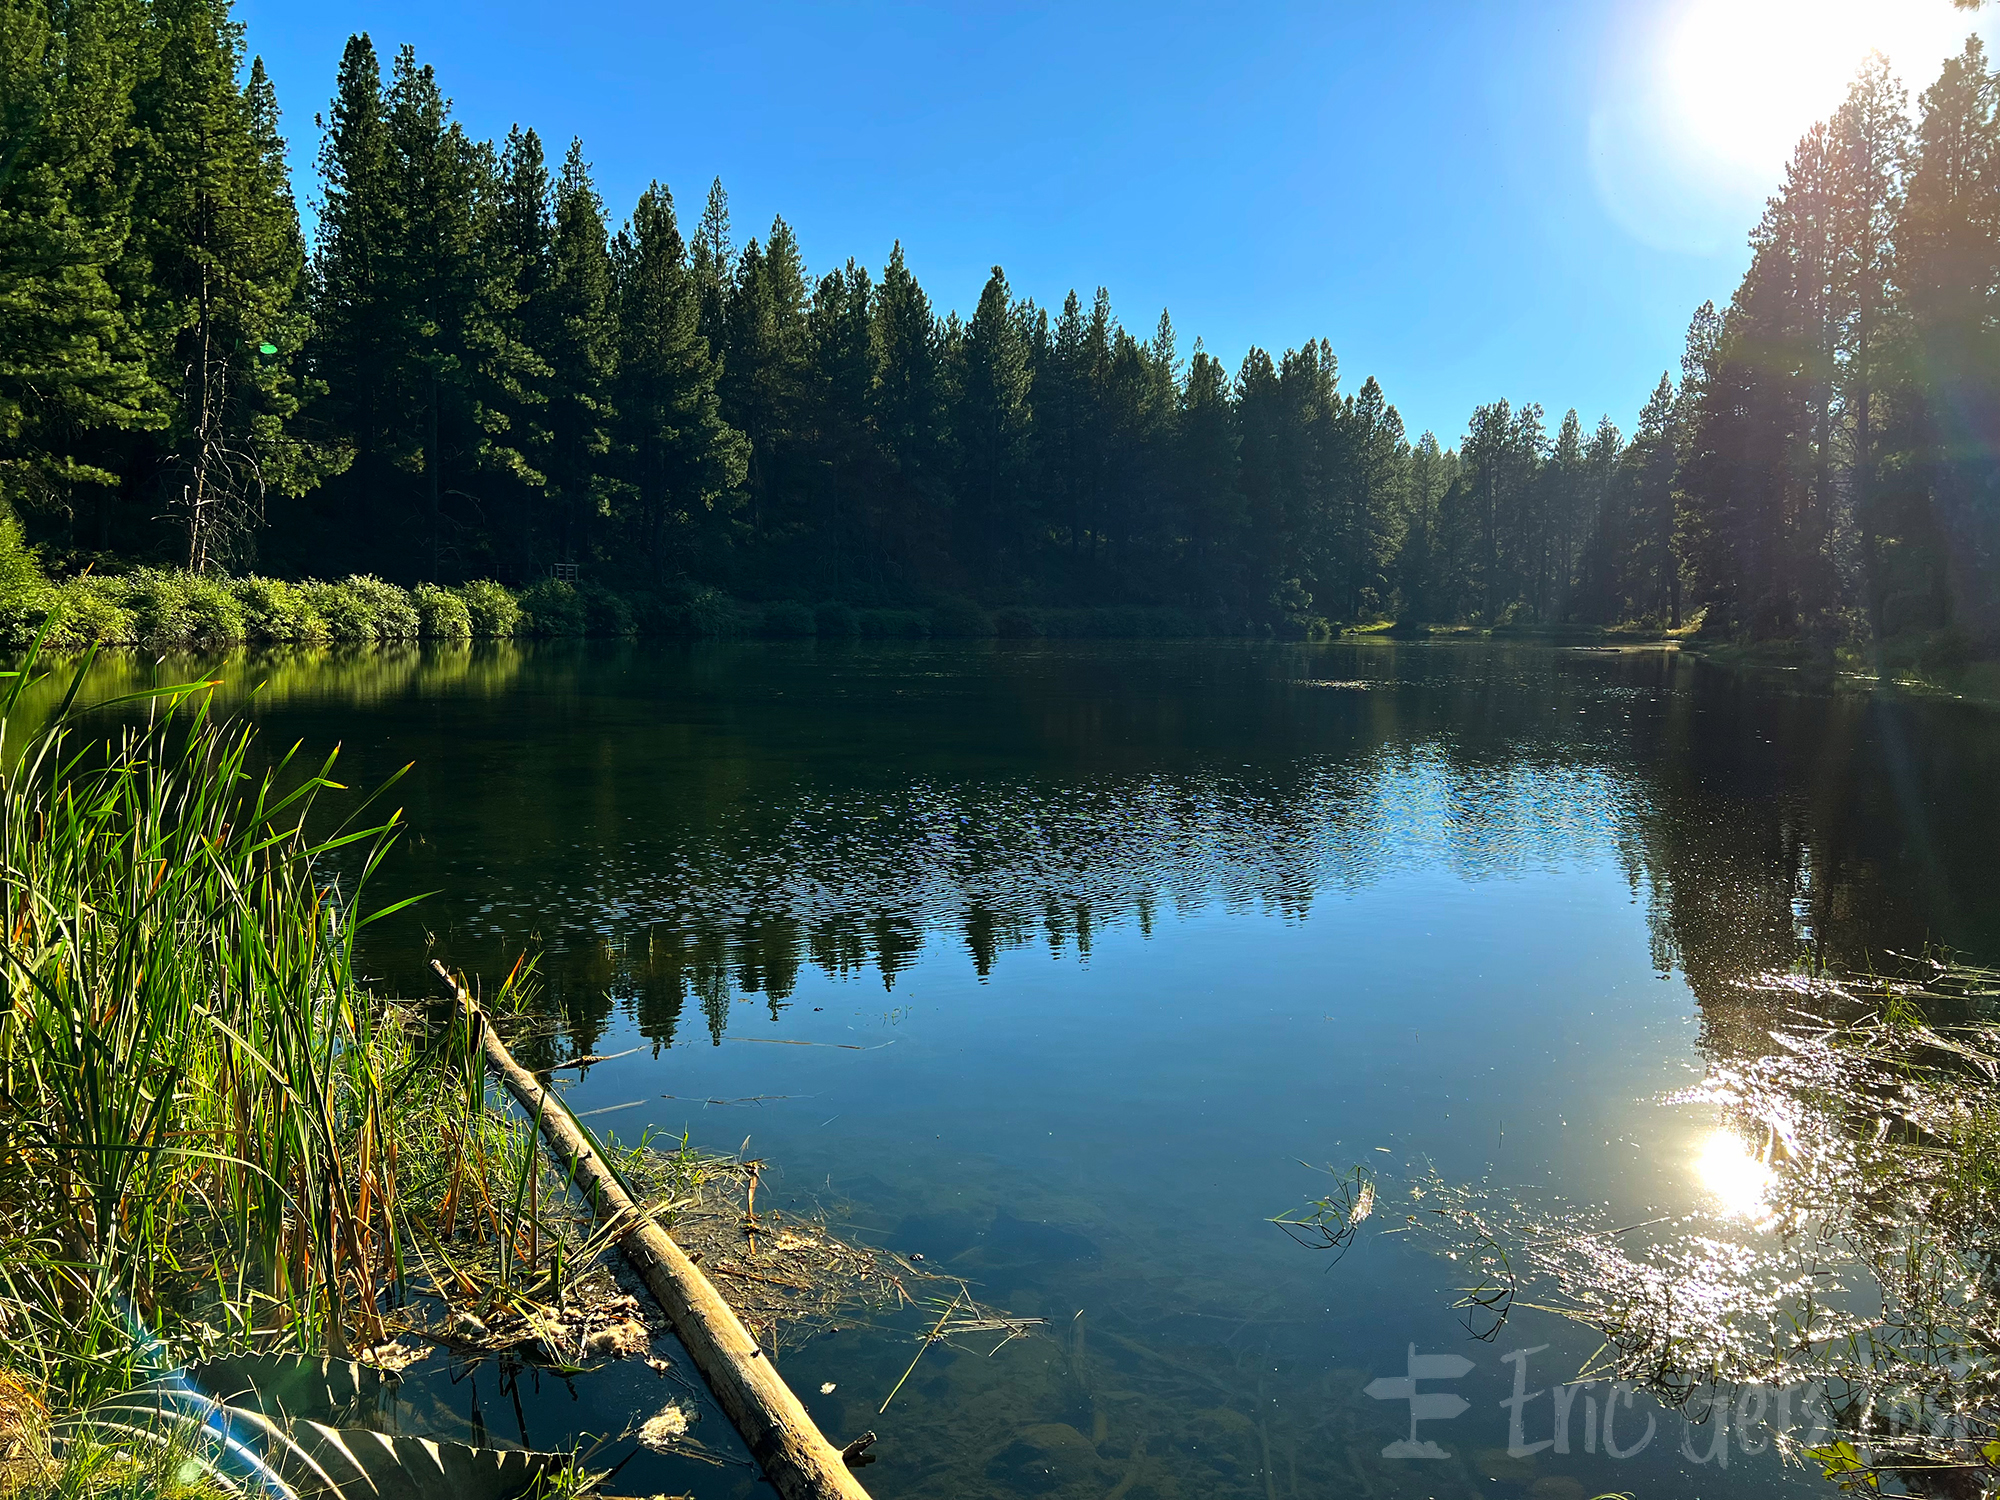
{"points": [[1748, 77]]}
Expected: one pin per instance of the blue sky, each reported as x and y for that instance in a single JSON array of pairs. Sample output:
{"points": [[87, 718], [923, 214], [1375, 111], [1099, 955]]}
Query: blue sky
{"points": [[1469, 200]]}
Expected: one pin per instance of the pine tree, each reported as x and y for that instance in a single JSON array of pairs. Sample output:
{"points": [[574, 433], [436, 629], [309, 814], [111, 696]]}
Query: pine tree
{"points": [[1206, 463], [907, 411], [683, 462], [1948, 261], [581, 318], [1652, 464], [521, 250], [1566, 487], [765, 377], [845, 470], [1870, 147], [353, 348], [225, 263], [1423, 577], [71, 360], [713, 258], [992, 431]]}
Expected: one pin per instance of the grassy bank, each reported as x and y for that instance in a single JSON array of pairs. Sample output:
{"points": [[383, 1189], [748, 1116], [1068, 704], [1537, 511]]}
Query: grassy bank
{"points": [[214, 1140], [1938, 663], [166, 608]]}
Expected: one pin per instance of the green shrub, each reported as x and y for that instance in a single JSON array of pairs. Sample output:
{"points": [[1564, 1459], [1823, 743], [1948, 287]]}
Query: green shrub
{"points": [[960, 618], [551, 607], [22, 586], [175, 607], [394, 615], [92, 611], [836, 622], [712, 615], [274, 610], [786, 619], [490, 609], [348, 613], [1016, 623], [441, 613], [895, 624], [605, 613]]}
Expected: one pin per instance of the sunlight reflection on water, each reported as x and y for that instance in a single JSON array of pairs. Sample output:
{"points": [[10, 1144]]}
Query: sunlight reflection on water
{"points": [[1739, 1181]]}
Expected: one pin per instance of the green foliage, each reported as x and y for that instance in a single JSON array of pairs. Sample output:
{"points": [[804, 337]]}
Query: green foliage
{"points": [[277, 611], [787, 619], [960, 618], [391, 612], [834, 621], [551, 607], [92, 610], [441, 613], [895, 624], [480, 374], [707, 614], [605, 613], [348, 613], [173, 607], [491, 611], [22, 585]]}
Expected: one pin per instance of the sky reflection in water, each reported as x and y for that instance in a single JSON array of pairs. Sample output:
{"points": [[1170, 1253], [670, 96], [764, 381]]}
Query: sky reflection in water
{"points": [[1125, 934]]}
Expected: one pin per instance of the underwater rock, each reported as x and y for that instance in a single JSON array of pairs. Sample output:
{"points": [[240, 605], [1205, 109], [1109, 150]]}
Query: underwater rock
{"points": [[1045, 1457]]}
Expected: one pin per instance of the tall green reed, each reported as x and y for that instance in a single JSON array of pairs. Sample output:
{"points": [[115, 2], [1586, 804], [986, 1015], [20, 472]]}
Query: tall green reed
{"points": [[194, 1090]]}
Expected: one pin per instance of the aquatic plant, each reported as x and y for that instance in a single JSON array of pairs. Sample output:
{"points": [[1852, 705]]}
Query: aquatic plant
{"points": [[1862, 1265], [212, 1135]]}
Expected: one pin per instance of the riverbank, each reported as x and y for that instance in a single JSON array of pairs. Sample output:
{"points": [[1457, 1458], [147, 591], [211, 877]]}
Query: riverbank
{"points": [[1908, 666], [225, 1157]]}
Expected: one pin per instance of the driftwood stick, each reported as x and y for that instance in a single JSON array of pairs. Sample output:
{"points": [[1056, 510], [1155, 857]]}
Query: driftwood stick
{"points": [[798, 1460]]}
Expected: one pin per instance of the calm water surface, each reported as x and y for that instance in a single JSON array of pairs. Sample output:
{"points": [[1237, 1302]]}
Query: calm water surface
{"points": [[1112, 941]]}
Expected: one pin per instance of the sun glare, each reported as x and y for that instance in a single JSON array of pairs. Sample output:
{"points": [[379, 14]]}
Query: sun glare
{"points": [[1726, 1167], [1749, 77]]}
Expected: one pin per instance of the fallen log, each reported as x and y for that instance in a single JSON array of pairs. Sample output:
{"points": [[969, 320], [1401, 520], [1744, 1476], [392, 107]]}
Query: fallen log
{"points": [[796, 1456]]}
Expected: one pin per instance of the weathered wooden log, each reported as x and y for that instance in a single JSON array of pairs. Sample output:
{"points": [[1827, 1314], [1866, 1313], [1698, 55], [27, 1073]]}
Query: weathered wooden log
{"points": [[796, 1456]]}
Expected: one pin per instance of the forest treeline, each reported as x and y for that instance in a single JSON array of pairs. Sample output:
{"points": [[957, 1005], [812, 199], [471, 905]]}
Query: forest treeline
{"points": [[473, 371]]}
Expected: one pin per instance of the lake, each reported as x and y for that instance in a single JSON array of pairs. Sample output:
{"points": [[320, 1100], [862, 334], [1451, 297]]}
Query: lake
{"points": [[1109, 953]]}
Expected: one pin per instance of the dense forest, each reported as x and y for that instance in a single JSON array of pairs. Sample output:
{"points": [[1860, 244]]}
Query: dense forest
{"points": [[471, 371]]}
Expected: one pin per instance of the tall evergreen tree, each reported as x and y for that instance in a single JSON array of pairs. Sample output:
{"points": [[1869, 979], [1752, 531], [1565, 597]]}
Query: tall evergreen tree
{"points": [[72, 360], [683, 462], [224, 264], [992, 430], [1206, 469], [581, 318], [1948, 261], [907, 409]]}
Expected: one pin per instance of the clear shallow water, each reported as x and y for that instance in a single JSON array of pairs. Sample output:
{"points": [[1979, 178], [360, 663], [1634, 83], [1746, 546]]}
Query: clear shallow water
{"points": [[1123, 934]]}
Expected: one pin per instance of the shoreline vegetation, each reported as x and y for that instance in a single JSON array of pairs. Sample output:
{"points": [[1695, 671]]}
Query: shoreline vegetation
{"points": [[222, 1154]]}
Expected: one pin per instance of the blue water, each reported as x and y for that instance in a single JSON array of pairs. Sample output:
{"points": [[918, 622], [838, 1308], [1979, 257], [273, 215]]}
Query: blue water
{"points": [[1107, 950]]}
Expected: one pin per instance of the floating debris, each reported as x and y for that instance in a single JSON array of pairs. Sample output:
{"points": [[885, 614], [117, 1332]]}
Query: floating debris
{"points": [[662, 1431]]}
